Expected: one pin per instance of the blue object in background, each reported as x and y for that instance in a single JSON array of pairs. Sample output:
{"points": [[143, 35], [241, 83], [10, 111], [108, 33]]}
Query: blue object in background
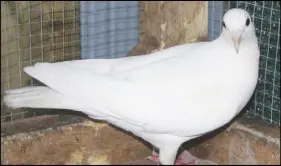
{"points": [[109, 29], [215, 14]]}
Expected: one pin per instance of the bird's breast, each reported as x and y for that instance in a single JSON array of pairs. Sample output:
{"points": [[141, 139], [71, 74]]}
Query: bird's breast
{"points": [[246, 81]]}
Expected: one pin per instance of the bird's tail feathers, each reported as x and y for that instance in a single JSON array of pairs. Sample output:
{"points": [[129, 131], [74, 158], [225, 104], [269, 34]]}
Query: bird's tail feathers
{"points": [[34, 97]]}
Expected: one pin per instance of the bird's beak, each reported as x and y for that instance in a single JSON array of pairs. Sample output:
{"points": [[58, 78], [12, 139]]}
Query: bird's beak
{"points": [[236, 41]]}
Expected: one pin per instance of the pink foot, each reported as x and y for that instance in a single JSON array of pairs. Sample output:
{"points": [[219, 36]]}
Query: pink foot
{"points": [[185, 158]]}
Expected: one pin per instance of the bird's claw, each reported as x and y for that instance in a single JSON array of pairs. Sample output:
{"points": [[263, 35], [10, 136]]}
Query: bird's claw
{"points": [[153, 158]]}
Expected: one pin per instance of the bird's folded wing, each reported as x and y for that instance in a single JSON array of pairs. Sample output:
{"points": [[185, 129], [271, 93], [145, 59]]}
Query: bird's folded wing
{"points": [[145, 106]]}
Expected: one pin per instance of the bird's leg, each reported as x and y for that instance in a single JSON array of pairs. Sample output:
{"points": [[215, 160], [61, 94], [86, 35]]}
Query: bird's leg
{"points": [[168, 154]]}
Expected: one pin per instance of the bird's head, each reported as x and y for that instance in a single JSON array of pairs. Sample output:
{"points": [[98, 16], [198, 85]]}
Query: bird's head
{"points": [[238, 27]]}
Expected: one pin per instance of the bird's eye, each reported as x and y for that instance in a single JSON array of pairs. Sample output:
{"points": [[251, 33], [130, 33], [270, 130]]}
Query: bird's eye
{"points": [[247, 22], [223, 24]]}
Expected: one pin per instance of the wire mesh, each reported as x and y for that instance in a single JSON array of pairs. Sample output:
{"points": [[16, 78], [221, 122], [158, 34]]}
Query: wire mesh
{"points": [[109, 29], [31, 32], [52, 31], [265, 104]]}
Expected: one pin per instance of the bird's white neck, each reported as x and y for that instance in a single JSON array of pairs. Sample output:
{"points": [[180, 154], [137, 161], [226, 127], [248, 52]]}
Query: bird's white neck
{"points": [[248, 45]]}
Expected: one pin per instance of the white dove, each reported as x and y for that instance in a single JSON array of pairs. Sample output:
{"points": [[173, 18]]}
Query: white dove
{"points": [[167, 97]]}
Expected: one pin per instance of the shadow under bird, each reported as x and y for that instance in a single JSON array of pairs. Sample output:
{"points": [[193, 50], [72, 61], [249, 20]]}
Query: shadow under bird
{"points": [[167, 97]]}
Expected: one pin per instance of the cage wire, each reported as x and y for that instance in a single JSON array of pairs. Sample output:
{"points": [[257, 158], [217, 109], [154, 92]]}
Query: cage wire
{"points": [[265, 104], [31, 32], [49, 31]]}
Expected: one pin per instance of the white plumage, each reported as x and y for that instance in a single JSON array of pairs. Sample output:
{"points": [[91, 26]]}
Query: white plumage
{"points": [[167, 97]]}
